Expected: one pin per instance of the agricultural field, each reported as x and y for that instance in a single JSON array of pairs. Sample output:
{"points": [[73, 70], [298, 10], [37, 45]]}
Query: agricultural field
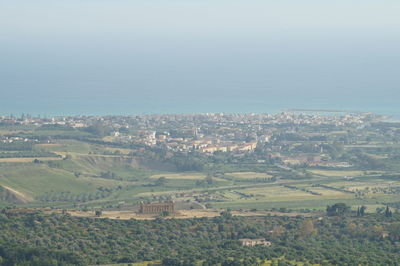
{"points": [[247, 175], [337, 173], [85, 171], [180, 176], [100, 180], [27, 160]]}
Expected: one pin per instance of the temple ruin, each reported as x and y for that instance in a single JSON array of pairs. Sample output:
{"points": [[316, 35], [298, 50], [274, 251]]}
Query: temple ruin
{"points": [[157, 207]]}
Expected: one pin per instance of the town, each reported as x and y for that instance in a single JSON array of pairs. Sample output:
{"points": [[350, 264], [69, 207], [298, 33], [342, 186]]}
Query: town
{"points": [[210, 133]]}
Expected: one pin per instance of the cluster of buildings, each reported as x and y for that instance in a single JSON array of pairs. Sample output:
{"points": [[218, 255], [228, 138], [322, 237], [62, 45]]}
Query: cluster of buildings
{"points": [[9, 139], [73, 121], [207, 133], [231, 147], [191, 121], [313, 160], [248, 242], [211, 133]]}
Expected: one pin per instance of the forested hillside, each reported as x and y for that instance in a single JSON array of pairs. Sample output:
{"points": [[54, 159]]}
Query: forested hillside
{"points": [[54, 239]]}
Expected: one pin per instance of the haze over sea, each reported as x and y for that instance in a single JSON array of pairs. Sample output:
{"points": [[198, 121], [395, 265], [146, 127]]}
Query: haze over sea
{"points": [[136, 57]]}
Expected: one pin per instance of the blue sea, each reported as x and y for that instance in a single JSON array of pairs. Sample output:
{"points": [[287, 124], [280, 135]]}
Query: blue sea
{"points": [[231, 74], [159, 105]]}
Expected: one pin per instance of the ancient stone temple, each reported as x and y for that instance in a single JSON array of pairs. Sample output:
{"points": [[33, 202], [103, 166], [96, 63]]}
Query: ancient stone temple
{"points": [[157, 207]]}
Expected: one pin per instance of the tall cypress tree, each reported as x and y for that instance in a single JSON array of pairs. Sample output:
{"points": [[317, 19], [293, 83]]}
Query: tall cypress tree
{"points": [[388, 212]]}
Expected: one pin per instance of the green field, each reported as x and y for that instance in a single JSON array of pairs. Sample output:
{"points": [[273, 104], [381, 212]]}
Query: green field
{"points": [[100, 175], [34, 181], [235, 190]]}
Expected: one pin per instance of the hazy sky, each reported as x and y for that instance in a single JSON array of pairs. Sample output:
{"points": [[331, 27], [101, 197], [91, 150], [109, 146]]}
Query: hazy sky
{"points": [[104, 55]]}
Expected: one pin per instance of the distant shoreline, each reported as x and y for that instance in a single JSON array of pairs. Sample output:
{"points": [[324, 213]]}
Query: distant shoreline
{"points": [[392, 116], [326, 110]]}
